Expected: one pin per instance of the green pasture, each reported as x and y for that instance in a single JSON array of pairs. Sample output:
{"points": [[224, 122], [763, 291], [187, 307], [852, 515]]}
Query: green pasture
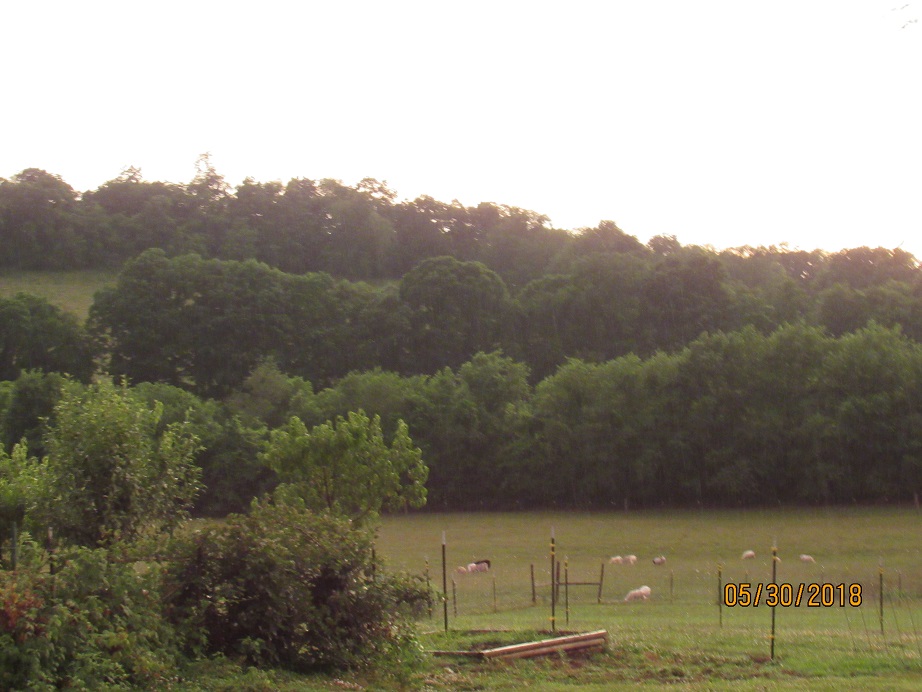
{"points": [[680, 636], [72, 291]]}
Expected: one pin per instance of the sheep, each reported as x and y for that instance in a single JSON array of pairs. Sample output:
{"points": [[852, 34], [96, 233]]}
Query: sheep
{"points": [[616, 560], [630, 559], [640, 594], [661, 560], [807, 558], [479, 566], [461, 570], [748, 555]]}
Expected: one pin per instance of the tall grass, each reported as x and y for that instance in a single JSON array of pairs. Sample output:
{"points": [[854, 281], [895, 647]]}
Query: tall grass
{"points": [[72, 291]]}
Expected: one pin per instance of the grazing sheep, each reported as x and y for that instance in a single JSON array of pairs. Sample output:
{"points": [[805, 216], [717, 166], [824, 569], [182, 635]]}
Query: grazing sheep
{"points": [[661, 560], [616, 560], [461, 570], [807, 558], [748, 555], [479, 566], [640, 594], [630, 559]]}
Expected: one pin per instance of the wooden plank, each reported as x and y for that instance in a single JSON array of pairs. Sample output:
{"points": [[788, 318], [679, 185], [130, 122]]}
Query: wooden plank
{"points": [[546, 646], [590, 645]]}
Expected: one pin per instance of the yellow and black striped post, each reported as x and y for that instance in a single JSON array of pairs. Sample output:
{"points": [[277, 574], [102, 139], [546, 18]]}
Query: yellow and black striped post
{"points": [[774, 581], [444, 583], [553, 584]]}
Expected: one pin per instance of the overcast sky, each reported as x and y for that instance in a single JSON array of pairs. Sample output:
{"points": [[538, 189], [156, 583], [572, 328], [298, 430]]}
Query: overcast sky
{"points": [[721, 122]]}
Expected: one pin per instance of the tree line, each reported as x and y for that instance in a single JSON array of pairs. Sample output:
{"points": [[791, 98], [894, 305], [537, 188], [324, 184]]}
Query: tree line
{"points": [[739, 418], [464, 341], [356, 232]]}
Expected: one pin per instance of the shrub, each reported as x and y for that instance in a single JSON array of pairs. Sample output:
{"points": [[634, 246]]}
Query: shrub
{"points": [[93, 625], [283, 586]]}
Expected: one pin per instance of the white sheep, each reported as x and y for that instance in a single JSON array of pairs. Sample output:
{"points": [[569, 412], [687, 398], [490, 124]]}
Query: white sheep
{"points": [[640, 594], [661, 560], [807, 558], [630, 559], [616, 560], [461, 570], [748, 555]]}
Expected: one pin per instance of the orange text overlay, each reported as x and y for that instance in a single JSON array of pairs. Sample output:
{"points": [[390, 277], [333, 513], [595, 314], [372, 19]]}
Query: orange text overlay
{"points": [[787, 595]]}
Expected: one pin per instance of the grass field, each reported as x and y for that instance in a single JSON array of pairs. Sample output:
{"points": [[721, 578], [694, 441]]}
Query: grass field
{"points": [[680, 637], [71, 291]]}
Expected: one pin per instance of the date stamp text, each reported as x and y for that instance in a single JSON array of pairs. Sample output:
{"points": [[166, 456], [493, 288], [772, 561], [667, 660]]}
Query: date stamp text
{"points": [[744, 595]]}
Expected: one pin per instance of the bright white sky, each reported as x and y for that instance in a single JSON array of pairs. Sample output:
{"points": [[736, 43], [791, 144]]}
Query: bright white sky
{"points": [[721, 122]]}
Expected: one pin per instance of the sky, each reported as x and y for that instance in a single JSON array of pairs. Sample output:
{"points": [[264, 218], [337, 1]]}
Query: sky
{"points": [[721, 122]]}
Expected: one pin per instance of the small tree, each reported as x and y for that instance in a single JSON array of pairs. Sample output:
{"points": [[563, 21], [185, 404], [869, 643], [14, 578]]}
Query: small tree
{"points": [[109, 476], [346, 468]]}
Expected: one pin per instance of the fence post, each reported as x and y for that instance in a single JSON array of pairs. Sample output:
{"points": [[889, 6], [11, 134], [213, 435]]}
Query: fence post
{"points": [[774, 581], [553, 585], [429, 588], [444, 583], [601, 580], [720, 596], [881, 570], [566, 587], [557, 581], [534, 596]]}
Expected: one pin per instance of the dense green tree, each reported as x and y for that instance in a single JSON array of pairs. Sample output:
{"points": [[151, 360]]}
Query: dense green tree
{"points": [[863, 267], [683, 297], [607, 238], [30, 408], [34, 334], [871, 383], [379, 393], [358, 236], [346, 467], [458, 308], [109, 476], [35, 229], [421, 230]]}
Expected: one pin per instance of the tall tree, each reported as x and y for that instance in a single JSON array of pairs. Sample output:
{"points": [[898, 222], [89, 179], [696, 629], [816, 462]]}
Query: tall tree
{"points": [[346, 468], [109, 476], [34, 334], [458, 308]]}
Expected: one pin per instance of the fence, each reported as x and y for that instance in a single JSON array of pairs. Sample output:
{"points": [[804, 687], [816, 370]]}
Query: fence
{"points": [[867, 610]]}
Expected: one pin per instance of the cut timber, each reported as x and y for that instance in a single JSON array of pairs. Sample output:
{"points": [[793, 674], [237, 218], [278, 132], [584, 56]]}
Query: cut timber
{"points": [[589, 641]]}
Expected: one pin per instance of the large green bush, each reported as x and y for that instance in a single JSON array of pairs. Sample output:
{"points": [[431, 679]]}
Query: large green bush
{"points": [[94, 624], [284, 586]]}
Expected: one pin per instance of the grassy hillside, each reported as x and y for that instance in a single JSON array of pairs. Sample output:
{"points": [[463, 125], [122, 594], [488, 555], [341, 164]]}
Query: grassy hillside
{"points": [[70, 290]]}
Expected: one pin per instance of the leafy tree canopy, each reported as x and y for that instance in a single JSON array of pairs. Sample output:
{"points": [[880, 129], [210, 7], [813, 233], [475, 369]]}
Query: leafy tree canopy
{"points": [[346, 468]]}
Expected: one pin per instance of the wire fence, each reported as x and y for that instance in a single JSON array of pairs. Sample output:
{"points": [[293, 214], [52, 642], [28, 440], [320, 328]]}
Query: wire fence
{"points": [[865, 611]]}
